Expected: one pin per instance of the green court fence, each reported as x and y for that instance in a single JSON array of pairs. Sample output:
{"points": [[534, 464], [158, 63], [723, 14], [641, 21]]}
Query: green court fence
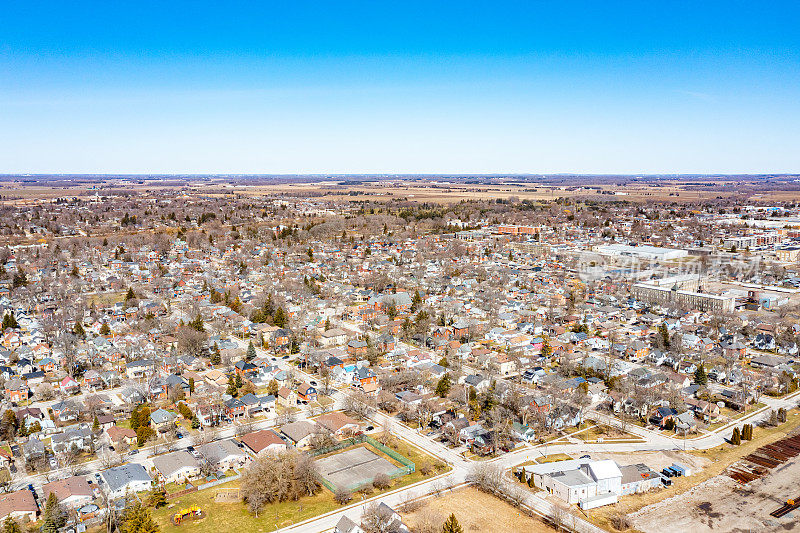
{"points": [[408, 465]]}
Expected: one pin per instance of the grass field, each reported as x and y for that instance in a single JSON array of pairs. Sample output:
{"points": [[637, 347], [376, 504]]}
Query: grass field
{"points": [[236, 518]]}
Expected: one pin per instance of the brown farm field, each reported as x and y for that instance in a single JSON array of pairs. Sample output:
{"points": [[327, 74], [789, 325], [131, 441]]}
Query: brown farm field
{"points": [[433, 190]]}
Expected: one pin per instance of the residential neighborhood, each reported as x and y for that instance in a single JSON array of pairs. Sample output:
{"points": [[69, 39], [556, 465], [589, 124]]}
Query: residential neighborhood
{"points": [[219, 337]]}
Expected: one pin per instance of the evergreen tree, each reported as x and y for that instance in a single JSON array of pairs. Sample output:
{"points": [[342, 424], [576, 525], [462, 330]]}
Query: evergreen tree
{"points": [[216, 356], [736, 438], [137, 519], [232, 390], [9, 321], [251, 352], [416, 301], [157, 497], [663, 333], [546, 350], [104, 329], [443, 387], [11, 526], [96, 424], [700, 376], [279, 318], [55, 516], [443, 362], [130, 295], [451, 525], [191, 385], [78, 329], [197, 324]]}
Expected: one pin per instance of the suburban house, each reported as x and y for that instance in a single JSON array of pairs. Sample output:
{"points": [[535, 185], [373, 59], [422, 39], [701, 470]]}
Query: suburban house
{"points": [[176, 466], [224, 454], [332, 337], [287, 397], [73, 492], [162, 419], [339, 424], [306, 393], [131, 477], [266, 441], [234, 408], [18, 505], [299, 433], [345, 525], [78, 438], [16, 390], [119, 435]]}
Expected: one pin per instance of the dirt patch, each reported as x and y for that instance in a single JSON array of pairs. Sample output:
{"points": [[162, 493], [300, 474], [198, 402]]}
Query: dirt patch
{"points": [[720, 504], [656, 460], [475, 511]]}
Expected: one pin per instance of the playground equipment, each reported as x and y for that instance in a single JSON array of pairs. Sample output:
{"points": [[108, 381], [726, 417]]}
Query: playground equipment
{"points": [[193, 511]]}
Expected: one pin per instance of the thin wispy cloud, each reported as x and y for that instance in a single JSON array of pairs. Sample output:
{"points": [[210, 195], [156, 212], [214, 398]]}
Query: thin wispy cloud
{"points": [[698, 95]]}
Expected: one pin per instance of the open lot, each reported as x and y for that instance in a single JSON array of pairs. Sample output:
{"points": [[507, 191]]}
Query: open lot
{"points": [[475, 511], [722, 504], [353, 467], [707, 487], [657, 460]]}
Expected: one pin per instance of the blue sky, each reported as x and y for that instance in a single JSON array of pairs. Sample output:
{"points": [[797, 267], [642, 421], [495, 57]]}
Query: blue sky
{"points": [[394, 87]]}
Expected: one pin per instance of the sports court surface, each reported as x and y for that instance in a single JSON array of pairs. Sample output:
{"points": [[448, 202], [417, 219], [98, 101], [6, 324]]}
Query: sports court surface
{"points": [[353, 467]]}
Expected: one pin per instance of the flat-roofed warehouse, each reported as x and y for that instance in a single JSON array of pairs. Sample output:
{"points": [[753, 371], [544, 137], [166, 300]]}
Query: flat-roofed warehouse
{"points": [[673, 297], [641, 252]]}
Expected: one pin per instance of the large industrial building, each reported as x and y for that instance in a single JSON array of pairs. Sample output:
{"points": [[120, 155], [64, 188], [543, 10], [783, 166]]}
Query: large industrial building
{"points": [[681, 291], [654, 253], [591, 483]]}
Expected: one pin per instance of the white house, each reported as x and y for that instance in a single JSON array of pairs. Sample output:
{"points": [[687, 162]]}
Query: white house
{"points": [[577, 480]]}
